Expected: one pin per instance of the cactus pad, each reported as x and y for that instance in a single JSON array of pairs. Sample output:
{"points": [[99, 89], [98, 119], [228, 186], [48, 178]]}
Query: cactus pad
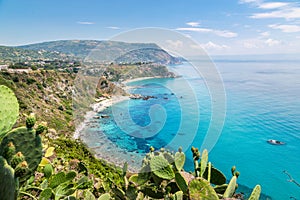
{"points": [[178, 195], [181, 183], [151, 192], [204, 160], [200, 189], [46, 194], [179, 160], [220, 189], [25, 141], [42, 127], [7, 183], [231, 188], [48, 170], [255, 193], [21, 169], [216, 176], [105, 196], [16, 159], [30, 120], [142, 177], [9, 110], [57, 179], [161, 168]]}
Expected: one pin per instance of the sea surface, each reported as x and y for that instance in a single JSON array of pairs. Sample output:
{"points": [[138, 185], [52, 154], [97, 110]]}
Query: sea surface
{"points": [[262, 102]]}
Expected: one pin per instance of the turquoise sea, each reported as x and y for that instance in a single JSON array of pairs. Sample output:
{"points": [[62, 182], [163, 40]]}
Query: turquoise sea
{"points": [[262, 102]]}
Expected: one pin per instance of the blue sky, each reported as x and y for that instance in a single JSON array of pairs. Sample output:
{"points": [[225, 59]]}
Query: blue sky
{"points": [[219, 26]]}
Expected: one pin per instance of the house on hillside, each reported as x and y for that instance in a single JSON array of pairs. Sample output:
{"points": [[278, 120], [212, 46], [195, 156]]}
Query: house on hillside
{"points": [[19, 70], [3, 67]]}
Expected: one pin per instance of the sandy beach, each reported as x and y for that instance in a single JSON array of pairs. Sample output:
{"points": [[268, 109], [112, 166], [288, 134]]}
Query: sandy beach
{"points": [[100, 143]]}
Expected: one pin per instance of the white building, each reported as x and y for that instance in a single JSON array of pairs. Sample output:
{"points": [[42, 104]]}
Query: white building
{"points": [[3, 67]]}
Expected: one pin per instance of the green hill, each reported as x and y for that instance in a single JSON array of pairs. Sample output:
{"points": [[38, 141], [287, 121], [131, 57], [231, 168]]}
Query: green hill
{"points": [[14, 54], [107, 51]]}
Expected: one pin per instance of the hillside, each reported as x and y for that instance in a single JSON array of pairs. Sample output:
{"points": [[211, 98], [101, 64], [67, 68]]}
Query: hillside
{"points": [[107, 51], [13, 54]]}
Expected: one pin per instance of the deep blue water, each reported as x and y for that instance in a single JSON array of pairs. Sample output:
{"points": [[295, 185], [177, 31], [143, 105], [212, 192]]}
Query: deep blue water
{"points": [[263, 102]]}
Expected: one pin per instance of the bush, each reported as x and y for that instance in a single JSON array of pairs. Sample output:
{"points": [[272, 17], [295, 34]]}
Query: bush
{"points": [[30, 81]]}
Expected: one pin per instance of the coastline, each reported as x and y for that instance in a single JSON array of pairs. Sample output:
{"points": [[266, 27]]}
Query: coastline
{"points": [[105, 145], [140, 79]]}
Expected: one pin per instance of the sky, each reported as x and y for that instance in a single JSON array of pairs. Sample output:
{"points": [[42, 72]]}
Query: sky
{"points": [[221, 27]]}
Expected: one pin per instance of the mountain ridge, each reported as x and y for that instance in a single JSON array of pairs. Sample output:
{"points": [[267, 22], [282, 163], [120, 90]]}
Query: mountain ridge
{"points": [[105, 50]]}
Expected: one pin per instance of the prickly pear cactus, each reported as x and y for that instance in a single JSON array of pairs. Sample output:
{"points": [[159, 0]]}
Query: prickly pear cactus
{"points": [[203, 163], [26, 141], [231, 188], [220, 189], [16, 159], [9, 110], [7, 183], [105, 196], [142, 177], [216, 176], [21, 169], [46, 194], [161, 168], [179, 160], [48, 170], [178, 195], [30, 120], [57, 179], [200, 189], [153, 193], [9, 151], [255, 193], [181, 183]]}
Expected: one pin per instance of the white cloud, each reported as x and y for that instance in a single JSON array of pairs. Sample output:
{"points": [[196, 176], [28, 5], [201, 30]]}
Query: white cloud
{"points": [[286, 28], [251, 44], [113, 27], [265, 34], [285, 10], [85, 23], [286, 13], [174, 44], [222, 33], [225, 33], [212, 46], [193, 24], [271, 42], [273, 5], [260, 43], [250, 1]]}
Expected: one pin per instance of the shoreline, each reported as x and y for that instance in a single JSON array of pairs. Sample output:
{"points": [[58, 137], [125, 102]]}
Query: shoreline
{"points": [[106, 146], [105, 103], [140, 79]]}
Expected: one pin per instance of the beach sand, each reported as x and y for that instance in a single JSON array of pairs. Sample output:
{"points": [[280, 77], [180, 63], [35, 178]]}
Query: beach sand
{"points": [[98, 142]]}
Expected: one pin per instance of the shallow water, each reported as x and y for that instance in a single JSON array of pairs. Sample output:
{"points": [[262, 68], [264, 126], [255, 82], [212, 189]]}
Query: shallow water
{"points": [[263, 102]]}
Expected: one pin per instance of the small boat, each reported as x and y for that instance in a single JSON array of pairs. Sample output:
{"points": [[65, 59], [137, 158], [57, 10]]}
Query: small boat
{"points": [[275, 142]]}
